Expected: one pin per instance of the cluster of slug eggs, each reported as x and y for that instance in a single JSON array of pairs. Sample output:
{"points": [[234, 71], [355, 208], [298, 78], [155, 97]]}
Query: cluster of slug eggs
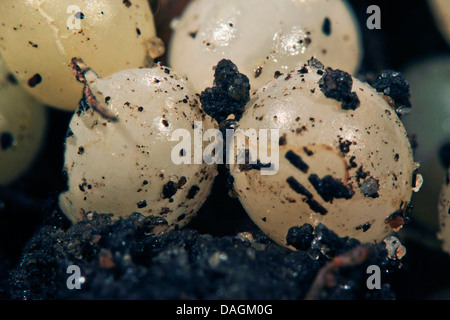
{"points": [[350, 167]]}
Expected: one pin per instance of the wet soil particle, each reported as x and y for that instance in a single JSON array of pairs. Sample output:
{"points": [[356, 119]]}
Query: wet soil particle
{"points": [[330, 188], [35, 80], [300, 189], [169, 190], [193, 191], [326, 27], [316, 207], [337, 85], [300, 237], [124, 260], [364, 227], [344, 146], [369, 188], [393, 84], [230, 93], [297, 161], [142, 204]]}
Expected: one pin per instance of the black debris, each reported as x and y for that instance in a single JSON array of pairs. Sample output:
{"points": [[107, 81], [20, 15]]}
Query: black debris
{"points": [[230, 93], [297, 161], [124, 260], [337, 84], [35, 80], [330, 188], [394, 85]]}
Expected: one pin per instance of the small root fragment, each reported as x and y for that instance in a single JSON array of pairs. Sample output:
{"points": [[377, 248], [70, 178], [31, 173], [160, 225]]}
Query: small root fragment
{"points": [[80, 69], [326, 276]]}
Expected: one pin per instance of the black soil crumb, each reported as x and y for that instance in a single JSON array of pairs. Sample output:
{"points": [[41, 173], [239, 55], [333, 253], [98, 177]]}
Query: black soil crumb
{"points": [[35, 80], [230, 93], [316, 64], [444, 155], [369, 188], [125, 260], [169, 189], [326, 27], [392, 84], [330, 188], [193, 191], [300, 237], [337, 84], [316, 207], [297, 161]]}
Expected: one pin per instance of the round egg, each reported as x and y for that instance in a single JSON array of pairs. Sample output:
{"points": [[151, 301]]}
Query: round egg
{"points": [[131, 163], [22, 127], [429, 123], [441, 12], [261, 37], [342, 157], [40, 37], [444, 214]]}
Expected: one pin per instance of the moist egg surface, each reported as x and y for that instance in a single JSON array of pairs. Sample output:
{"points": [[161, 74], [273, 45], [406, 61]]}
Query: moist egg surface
{"points": [[261, 37], [351, 170], [126, 166], [22, 127], [40, 37]]}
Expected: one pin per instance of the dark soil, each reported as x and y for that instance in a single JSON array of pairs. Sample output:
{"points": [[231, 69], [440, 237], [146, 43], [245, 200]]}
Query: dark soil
{"points": [[212, 258]]}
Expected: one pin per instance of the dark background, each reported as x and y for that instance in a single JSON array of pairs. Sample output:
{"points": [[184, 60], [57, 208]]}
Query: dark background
{"points": [[408, 33]]}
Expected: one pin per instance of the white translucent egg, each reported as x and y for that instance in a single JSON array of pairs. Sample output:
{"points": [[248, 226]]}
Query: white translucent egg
{"points": [[441, 12], [125, 166], [22, 127], [344, 159], [429, 122], [40, 37], [262, 36]]}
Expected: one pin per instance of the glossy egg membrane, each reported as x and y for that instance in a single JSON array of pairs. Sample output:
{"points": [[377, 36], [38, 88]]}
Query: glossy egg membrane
{"points": [[441, 12], [22, 127], [125, 166], [351, 170], [429, 123], [262, 36], [40, 37]]}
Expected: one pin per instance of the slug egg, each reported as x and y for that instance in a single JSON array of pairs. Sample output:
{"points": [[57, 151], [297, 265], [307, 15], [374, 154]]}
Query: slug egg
{"points": [[429, 122], [344, 158], [22, 127], [444, 214], [126, 166], [441, 12], [262, 36], [40, 37]]}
